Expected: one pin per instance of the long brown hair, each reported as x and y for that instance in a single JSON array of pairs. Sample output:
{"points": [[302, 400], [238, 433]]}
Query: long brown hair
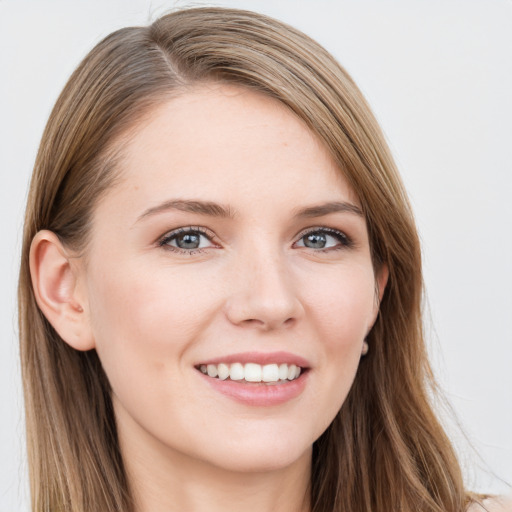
{"points": [[385, 450]]}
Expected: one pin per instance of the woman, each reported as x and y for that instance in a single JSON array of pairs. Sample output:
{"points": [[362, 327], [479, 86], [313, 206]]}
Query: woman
{"points": [[220, 294]]}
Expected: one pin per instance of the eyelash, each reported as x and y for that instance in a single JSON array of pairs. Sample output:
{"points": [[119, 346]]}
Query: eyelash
{"points": [[164, 242], [345, 241]]}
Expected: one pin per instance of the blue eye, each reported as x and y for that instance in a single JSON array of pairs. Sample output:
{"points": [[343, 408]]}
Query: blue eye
{"points": [[186, 240], [324, 239]]}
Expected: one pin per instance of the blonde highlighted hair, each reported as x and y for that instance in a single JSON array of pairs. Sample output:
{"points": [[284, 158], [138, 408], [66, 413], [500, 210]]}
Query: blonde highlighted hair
{"points": [[385, 450]]}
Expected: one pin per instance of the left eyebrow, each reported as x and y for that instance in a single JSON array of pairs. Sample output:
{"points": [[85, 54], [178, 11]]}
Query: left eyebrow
{"points": [[327, 208]]}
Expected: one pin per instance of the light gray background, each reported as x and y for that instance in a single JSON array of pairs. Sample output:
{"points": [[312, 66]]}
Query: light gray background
{"points": [[438, 75]]}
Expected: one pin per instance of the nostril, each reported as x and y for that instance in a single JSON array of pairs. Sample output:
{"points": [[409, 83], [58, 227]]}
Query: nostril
{"points": [[254, 321], [269, 324]]}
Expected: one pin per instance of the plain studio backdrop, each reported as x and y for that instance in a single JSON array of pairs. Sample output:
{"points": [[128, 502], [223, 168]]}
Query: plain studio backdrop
{"points": [[438, 76]]}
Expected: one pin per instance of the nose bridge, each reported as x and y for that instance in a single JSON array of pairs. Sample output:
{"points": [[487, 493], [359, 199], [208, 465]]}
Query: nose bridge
{"points": [[263, 293]]}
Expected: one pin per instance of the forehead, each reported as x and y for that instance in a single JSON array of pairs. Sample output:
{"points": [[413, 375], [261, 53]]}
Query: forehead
{"points": [[228, 144]]}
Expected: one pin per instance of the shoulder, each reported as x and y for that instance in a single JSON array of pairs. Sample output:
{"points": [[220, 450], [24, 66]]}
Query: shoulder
{"points": [[494, 504]]}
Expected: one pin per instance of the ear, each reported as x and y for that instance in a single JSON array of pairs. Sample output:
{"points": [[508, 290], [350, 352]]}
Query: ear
{"points": [[381, 280], [55, 279]]}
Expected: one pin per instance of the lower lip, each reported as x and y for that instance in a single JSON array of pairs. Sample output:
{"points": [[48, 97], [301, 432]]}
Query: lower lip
{"points": [[259, 394]]}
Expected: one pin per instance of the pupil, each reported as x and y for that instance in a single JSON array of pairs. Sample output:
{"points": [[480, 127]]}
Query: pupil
{"points": [[188, 241], [315, 241]]}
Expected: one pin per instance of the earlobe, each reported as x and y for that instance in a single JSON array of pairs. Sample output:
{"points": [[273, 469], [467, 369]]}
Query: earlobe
{"points": [[55, 283]]}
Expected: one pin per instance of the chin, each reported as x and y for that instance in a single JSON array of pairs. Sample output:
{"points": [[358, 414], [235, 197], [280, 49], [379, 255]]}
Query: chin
{"points": [[254, 461], [250, 455]]}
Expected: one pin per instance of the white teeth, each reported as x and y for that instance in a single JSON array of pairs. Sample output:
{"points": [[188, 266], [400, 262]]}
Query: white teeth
{"points": [[270, 373], [223, 370], [252, 372], [212, 370], [236, 371]]}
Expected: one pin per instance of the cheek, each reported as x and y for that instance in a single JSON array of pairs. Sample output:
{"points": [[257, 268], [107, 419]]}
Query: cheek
{"points": [[342, 315], [342, 305], [145, 306], [144, 321]]}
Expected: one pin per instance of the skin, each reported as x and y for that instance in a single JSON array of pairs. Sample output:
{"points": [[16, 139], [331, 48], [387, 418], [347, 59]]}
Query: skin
{"points": [[153, 312]]}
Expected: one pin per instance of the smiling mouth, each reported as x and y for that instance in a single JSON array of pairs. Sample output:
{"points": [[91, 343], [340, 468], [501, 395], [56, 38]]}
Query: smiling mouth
{"points": [[253, 372]]}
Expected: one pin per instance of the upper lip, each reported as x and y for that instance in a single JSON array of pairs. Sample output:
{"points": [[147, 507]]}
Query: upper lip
{"points": [[261, 358]]}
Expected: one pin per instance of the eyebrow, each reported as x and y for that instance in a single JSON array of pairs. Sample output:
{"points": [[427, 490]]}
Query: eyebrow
{"points": [[201, 207], [217, 210], [327, 208]]}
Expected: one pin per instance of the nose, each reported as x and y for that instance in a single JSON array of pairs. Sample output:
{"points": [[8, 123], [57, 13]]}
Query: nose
{"points": [[263, 293]]}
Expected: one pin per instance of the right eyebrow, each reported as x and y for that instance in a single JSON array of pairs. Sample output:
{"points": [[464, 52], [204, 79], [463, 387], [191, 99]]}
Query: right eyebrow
{"points": [[202, 207]]}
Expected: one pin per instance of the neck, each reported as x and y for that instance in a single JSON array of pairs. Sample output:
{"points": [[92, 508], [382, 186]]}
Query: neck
{"points": [[215, 490], [177, 484], [163, 480]]}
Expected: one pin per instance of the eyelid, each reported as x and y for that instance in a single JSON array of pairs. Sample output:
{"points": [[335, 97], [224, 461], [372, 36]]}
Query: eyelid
{"points": [[169, 235], [344, 239], [163, 241]]}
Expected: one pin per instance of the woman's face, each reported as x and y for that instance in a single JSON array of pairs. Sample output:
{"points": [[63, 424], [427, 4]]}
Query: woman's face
{"points": [[232, 241]]}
